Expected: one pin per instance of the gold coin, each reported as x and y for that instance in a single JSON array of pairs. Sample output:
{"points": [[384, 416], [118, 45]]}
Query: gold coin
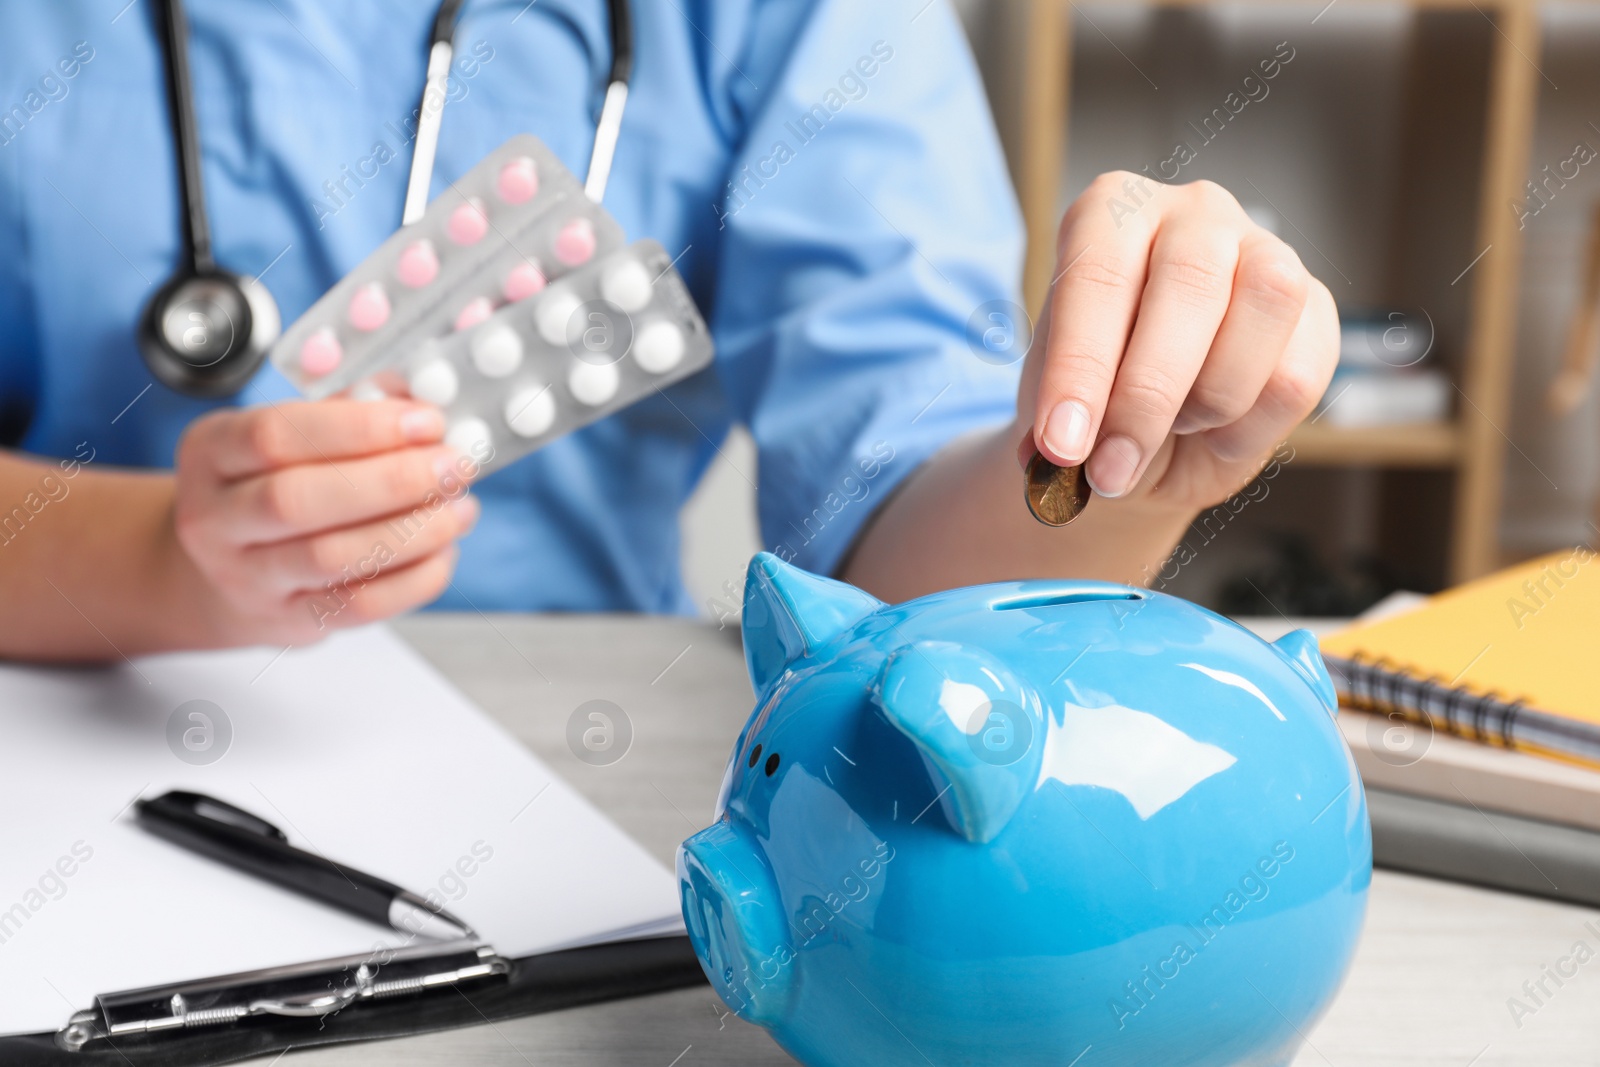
{"points": [[1056, 495]]}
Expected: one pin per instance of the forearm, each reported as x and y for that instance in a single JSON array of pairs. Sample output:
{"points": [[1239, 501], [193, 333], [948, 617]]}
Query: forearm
{"points": [[89, 571], [961, 520]]}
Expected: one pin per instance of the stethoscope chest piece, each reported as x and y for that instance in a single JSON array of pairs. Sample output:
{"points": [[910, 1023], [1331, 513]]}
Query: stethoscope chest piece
{"points": [[205, 333]]}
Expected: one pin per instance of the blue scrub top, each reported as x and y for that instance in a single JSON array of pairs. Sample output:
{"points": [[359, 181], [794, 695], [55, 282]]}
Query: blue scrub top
{"points": [[827, 168]]}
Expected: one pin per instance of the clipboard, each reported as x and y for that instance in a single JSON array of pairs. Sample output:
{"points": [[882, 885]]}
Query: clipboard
{"points": [[531, 985], [575, 910]]}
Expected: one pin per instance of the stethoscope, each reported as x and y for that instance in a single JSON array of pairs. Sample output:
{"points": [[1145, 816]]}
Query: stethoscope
{"points": [[206, 330]]}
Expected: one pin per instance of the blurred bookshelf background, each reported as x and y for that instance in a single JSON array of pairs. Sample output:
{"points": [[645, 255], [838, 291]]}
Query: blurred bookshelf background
{"points": [[1393, 147]]}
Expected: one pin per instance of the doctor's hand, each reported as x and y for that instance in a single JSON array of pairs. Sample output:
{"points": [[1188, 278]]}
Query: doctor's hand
{"points": [[304, 517], [1179, 344]]}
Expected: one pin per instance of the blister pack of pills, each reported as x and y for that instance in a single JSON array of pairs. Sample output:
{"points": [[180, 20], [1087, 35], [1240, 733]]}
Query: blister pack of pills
{"points": [[592, 342], [514, 223]]}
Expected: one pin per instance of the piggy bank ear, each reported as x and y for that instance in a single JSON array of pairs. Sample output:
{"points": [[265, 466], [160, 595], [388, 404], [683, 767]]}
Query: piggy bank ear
{"points": [[980, 731], [1299, 647], [789, 612]]}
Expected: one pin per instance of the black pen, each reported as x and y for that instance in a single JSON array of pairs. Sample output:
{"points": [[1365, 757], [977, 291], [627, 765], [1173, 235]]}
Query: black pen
{"points": [[233, 836]]}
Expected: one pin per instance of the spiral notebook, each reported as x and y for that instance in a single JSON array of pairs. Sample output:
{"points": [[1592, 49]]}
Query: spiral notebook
{"points": [[1509, 660]]}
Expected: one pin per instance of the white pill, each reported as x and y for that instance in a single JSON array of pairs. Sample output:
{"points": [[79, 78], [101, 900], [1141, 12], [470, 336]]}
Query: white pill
{"points": [[531, 411], [593, 383], [626, 284], [556, 308], [435, 381], [367, 391], [472, 437], [658, 347], [496, 350]]}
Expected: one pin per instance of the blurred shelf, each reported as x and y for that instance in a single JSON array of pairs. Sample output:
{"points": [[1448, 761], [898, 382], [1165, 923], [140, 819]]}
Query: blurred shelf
{"points": [[1472, 80], [1426, 444], [1322, 5]]}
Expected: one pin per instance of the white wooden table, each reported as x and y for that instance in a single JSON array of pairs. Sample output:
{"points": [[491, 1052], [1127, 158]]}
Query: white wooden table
{"points": [[1432, 979]]}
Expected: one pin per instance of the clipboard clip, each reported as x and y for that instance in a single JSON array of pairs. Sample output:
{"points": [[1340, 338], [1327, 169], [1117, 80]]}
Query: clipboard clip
{"points": [[302, 990]]}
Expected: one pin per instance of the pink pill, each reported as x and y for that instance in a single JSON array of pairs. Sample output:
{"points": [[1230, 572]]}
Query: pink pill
{"points": [[575, 242], [524, 280], [519, 181], [418, 265], [468, 223], [369, 308], [320, 353], [475, 312]]}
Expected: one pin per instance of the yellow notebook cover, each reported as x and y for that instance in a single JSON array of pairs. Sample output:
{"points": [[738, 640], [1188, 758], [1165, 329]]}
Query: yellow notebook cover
{"points": [[1527, 636]]}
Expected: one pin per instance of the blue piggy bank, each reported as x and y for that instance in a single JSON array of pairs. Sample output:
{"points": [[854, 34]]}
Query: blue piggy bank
{"points": [[1044, 822]]}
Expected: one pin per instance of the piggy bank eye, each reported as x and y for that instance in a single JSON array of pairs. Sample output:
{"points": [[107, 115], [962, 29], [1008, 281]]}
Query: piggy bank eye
{"points": [[755, 754], [772, 764]]}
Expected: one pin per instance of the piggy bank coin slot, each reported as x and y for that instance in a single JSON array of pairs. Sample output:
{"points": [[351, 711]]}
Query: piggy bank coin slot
{"points": [[1078, 596]]}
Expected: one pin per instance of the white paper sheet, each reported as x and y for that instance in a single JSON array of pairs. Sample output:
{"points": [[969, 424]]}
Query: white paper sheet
{"points": [[356, 748]]}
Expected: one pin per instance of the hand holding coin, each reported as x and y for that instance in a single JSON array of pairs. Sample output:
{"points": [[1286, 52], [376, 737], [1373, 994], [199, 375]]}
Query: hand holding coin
{"points": [[1055, 495]]}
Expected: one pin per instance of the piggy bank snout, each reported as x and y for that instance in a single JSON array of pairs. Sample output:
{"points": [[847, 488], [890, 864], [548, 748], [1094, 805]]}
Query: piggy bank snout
{"points": [[735, 919]]}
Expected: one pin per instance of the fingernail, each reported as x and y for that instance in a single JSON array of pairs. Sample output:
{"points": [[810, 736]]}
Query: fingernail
{"points": [[1066, 431], [422, 424], [466, 508], [1113, 465]]}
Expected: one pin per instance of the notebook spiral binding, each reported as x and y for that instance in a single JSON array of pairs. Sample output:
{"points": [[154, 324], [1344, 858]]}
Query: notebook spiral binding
{"points": [[1382, 686]]}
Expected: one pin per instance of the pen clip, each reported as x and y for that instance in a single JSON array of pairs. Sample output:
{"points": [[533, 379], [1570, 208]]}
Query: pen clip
{"points": [[198, 805]]}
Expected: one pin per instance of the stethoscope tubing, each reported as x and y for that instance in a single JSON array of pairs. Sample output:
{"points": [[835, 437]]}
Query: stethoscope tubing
{"points": [[196, 259]]}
